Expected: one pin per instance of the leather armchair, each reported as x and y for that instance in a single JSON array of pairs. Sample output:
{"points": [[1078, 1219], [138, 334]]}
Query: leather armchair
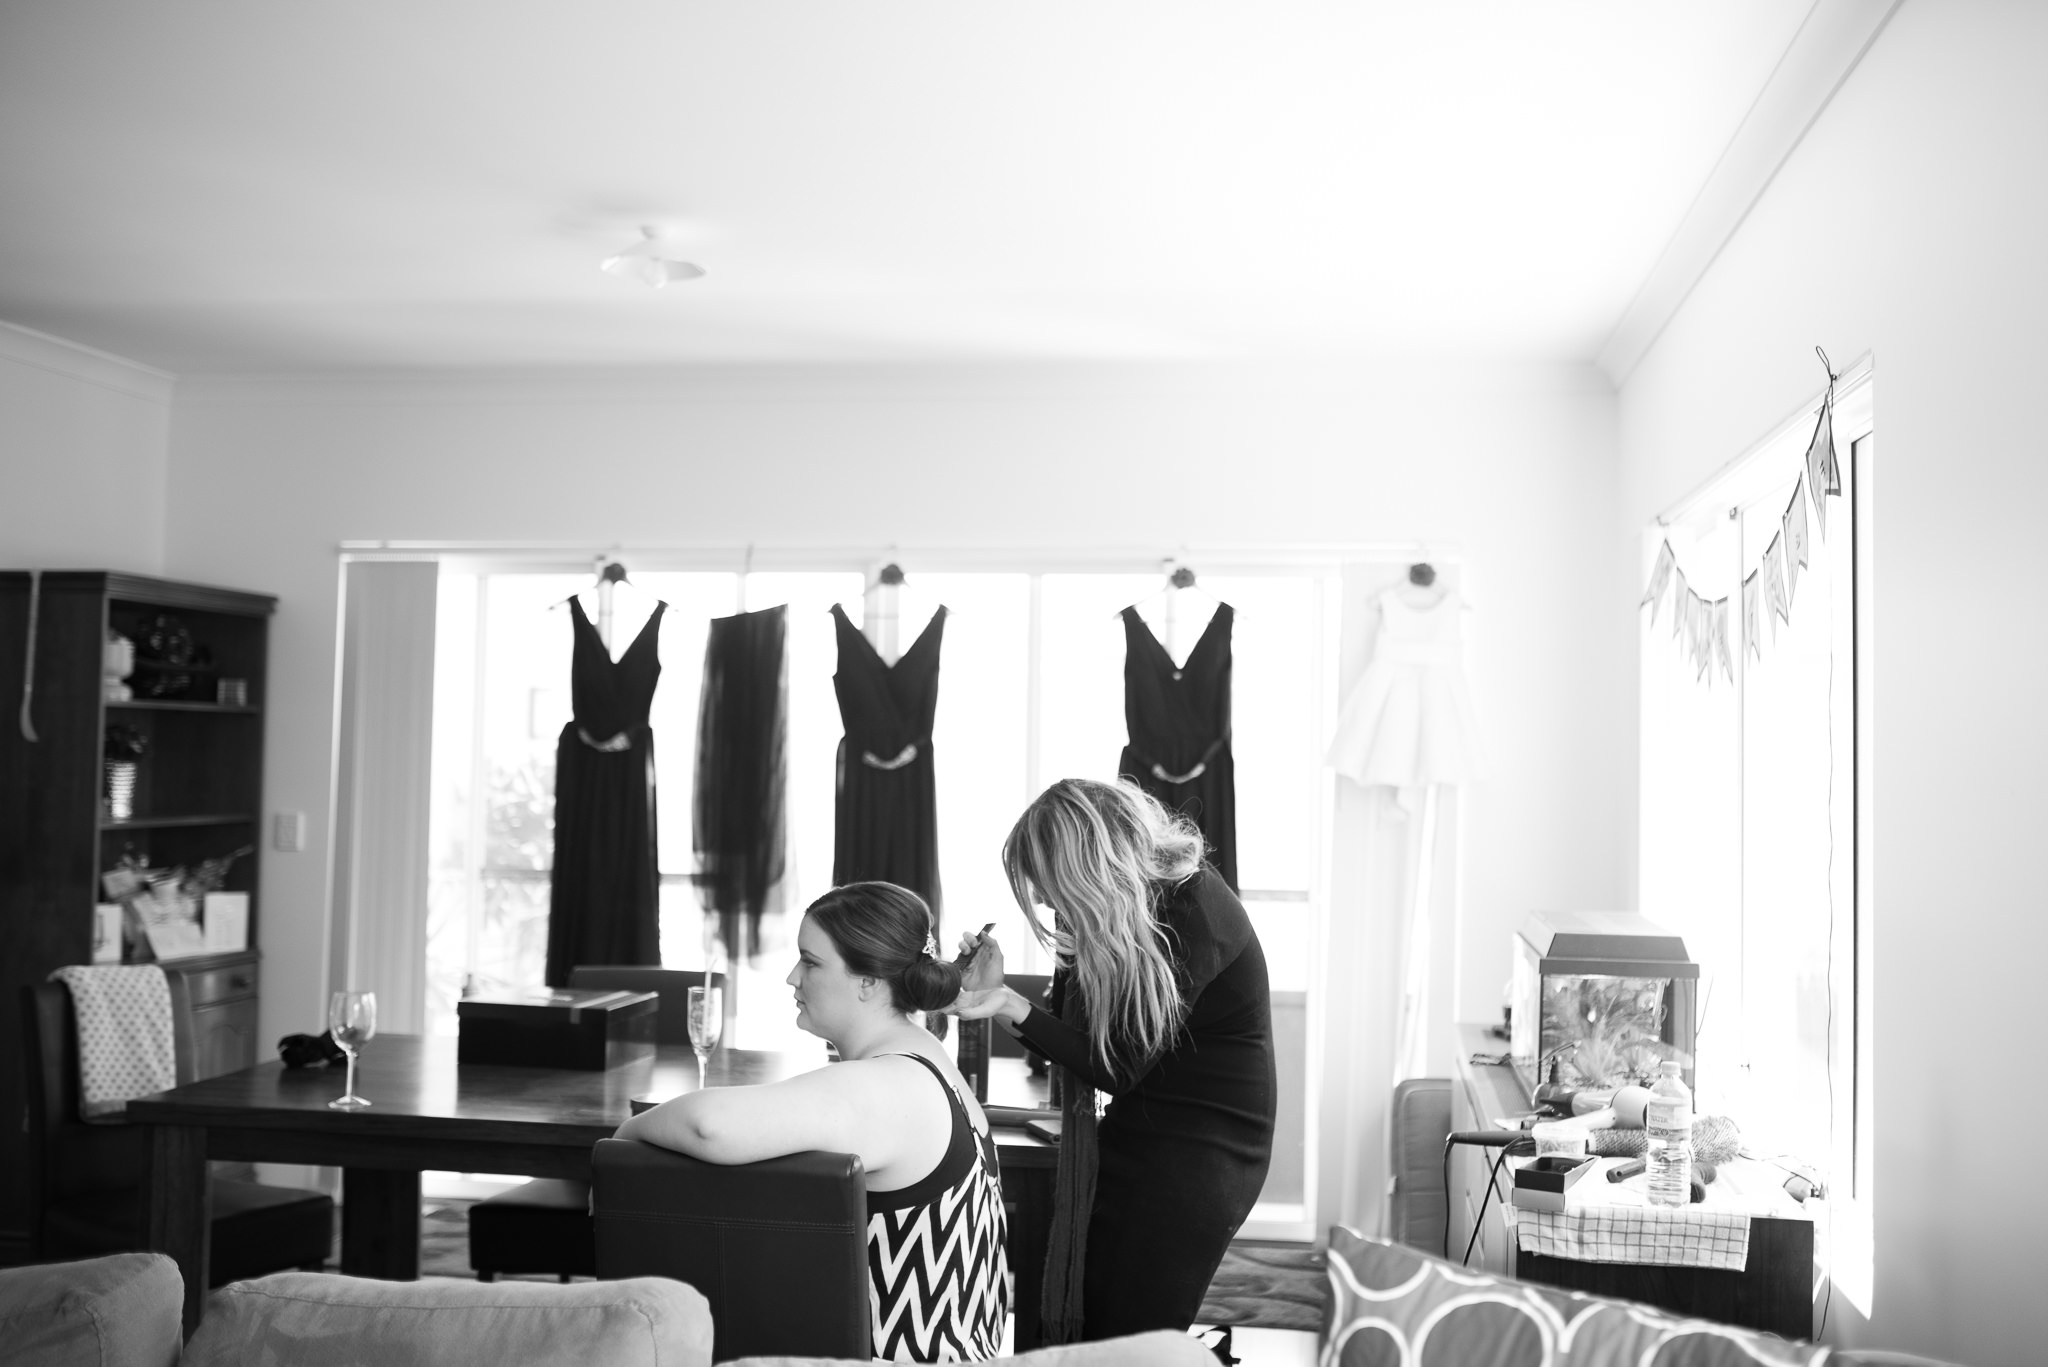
{"points": [[778, 1248]]}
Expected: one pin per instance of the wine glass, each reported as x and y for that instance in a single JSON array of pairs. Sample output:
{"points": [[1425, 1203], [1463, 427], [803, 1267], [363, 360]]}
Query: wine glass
{"points": [[352, 1019], [707, 1017]]}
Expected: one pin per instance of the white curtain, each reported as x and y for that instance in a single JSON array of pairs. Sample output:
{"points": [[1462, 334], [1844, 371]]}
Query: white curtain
{"points": [[383, 779], [1393, 929]]}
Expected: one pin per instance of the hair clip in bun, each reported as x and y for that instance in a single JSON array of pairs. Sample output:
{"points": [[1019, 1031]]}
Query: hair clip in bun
{"points": [[931, 945]]}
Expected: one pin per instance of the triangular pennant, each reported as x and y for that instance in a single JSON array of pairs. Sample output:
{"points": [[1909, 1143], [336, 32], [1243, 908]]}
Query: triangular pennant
{"points": [[1721, 656], [1774, 580], [1703, 661], [1821, 476], [1752, 620], [1794, 525], [1660, 576], [1680, 596], [1696, 638]]}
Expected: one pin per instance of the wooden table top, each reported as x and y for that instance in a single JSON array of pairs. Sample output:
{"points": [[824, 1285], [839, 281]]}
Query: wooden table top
{"points": [[417, 1090]]}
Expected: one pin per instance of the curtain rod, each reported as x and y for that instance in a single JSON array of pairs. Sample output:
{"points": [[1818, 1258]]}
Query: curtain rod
{"points": [[687, 555]]}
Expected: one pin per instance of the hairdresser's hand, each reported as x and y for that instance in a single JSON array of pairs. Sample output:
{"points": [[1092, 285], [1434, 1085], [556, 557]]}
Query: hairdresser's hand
{"points": [[992, 1003], [983, 968]]}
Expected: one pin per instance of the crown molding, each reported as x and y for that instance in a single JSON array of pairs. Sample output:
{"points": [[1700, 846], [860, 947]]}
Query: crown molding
{"points": [[76, 361], [1826, 49]]}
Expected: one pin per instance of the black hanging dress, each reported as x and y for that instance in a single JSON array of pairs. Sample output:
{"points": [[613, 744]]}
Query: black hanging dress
{"points": [[742, 772], [885, 822], [1179, 719], [604, 894]]}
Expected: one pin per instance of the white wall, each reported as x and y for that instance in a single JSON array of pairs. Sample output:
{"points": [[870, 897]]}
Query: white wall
{"points": [[84, 439], [1513, 466], [1911, 225]]}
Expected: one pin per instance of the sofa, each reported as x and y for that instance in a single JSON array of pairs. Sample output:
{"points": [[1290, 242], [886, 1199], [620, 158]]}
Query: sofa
{"points": [[1394, 1306], [123, 1311]]}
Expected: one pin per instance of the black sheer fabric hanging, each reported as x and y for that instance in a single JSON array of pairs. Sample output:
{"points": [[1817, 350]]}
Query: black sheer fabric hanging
{"points": [[885, 822], [742, 736], [1179, 720], [605, 889]]}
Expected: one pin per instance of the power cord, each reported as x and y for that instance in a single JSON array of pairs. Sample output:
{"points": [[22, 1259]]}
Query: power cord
{"points": [[1510, 1143]]}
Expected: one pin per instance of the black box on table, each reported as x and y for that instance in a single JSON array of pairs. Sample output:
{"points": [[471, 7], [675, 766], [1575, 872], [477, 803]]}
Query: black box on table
{"points": [[566, 1027], [1542, 1183]]}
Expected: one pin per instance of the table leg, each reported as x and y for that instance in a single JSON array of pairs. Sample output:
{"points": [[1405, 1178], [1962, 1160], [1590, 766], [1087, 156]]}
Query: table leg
{"points": [[380, 1224], [1030, 1190], [178, 1198]]}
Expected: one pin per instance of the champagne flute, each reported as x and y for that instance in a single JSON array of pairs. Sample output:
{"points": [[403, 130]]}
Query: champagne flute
{"points": [[352, 1019], [707, 1017]]}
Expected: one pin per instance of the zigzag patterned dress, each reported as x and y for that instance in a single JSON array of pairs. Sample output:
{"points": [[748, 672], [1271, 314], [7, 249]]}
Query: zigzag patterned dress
{"points": [[939, 1288]]}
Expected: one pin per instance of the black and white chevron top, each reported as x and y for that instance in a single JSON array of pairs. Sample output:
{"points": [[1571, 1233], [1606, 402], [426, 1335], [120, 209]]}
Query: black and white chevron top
{"points": [[938, 1276]]}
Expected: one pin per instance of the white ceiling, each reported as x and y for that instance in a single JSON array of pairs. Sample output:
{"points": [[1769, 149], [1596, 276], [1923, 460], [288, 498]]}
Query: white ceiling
{"points": [[285, 185]]}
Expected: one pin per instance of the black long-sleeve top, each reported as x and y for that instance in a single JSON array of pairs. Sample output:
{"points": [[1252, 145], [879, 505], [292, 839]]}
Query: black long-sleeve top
{"points": [[1214, 1085]]}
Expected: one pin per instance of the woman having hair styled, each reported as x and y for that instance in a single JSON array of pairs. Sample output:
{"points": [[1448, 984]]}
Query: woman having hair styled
{"points": [[1159, 998], [936, 1267]]}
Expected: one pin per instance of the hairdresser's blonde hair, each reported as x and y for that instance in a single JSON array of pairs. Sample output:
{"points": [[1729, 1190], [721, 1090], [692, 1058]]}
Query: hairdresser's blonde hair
{"points": [[1099, 854]]}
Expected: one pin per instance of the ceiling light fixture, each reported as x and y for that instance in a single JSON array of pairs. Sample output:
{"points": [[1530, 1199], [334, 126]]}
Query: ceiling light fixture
{"points": [[656, 260]]}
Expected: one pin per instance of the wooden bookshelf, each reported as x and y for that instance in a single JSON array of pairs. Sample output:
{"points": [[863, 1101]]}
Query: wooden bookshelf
{"points": [[198, 793]]}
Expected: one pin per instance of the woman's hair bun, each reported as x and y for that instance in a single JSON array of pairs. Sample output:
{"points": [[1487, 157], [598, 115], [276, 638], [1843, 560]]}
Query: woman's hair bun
{"points": [[927, 985], [881, 931]]}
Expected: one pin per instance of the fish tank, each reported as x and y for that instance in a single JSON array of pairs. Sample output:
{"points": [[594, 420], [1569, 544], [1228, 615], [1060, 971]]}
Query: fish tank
{"points": [[1599, 1000]]}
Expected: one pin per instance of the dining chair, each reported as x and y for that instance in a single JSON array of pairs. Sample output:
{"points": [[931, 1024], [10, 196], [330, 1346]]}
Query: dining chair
{"points": [[542, 1227], [86, 1180], [779, 1248]]}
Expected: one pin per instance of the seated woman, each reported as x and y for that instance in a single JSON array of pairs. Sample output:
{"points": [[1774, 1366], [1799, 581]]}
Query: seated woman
{"points": [[936, 1267]]}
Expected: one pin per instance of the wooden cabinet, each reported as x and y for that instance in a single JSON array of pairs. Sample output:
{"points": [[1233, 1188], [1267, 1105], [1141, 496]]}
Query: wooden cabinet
{"points": [[1480, 1096], [222, 992], [197, 706]]}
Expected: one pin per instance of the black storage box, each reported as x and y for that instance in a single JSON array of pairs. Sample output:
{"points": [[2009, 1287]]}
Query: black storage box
{"points": [[1542, 1183], [564, 1028]]}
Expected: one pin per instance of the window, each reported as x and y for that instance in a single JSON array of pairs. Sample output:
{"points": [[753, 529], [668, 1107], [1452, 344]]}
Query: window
{"points": [[1031, 689], [1755, 810]]}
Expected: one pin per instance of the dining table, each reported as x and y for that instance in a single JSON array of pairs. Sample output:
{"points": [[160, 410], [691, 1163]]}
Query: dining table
{"points": [[428, 1112]]}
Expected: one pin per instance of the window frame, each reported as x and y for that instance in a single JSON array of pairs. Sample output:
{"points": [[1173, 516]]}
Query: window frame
{"points": [[1846, 1255], [1322, 566]]}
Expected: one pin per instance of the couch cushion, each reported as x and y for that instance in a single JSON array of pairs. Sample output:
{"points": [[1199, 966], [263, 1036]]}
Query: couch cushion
{"points": [[1394, 1306], [313, 1319], [1160, 1348], [118, 1311]]}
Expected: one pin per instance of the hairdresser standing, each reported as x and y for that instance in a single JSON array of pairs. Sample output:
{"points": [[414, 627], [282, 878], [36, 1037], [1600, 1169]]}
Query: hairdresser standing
{"points": [[1160, 1000]]}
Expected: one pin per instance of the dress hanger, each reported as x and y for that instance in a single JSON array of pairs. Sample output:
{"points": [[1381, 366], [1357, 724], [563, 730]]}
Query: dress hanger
{"points": [[609, 576], [1180, 591]]}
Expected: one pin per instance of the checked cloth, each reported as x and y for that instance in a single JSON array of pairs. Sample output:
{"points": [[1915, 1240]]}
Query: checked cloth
{"points": [[1687, 1237]]}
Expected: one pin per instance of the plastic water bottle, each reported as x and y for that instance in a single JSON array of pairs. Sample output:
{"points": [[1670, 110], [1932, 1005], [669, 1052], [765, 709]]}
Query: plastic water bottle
{"points": [[1667, 1121]]}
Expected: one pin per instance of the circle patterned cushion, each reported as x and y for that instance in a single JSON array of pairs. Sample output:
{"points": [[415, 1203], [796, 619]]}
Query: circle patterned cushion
{"points": [[1391, 1306]]}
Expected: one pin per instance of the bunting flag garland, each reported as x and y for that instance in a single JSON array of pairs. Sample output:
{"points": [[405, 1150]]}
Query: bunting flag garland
{"points": [[1752, 620], [1794, 524], [1660, 575], [1774, 580], [1701, 626], [1823, 475]]}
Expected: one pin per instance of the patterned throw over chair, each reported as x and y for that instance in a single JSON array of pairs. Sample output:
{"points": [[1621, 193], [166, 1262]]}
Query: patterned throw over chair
{"points": [[543, 1227], [85, 1187]]}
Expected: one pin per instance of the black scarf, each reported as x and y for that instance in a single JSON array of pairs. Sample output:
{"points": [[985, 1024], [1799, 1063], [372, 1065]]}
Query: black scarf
{"points": [[1061, 1313]]}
